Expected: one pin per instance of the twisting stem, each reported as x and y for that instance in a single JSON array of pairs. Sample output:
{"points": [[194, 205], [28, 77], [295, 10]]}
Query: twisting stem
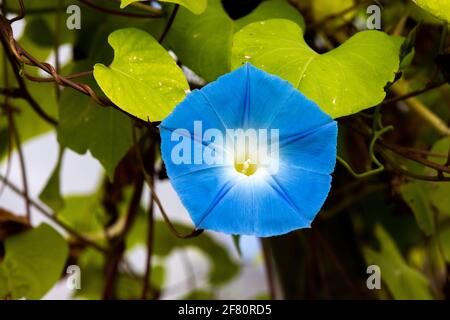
{"points": [[372, 172], [23, 88], [397, 168], [117, 247], [7, 111], [58, 22], [406, 154], [23, 169], [17, 55], [51, 79], [414, 93], [13, 129], [269, 267], [21, 12], [169, 23], [150, 234], [149, 180]]}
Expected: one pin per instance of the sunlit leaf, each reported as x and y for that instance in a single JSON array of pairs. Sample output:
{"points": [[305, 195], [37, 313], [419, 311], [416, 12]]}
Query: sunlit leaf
{"points": [[439, 8], [143, 79], [203, 43], [343, 81], [402, 281], [322, 9]]}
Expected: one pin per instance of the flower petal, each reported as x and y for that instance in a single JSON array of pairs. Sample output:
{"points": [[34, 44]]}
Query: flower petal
{"points": [[298, 115], [200, 191], [305, 189], [253, 207], [315, 151]]}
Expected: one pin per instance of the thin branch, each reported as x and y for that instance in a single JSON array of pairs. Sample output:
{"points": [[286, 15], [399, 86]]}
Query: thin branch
{"points": [[58, 26], [53, 217], [21, 14], [15, 133], [150, 235], [400, 89], [406, 154], [169, 23], [415, 93], [23, 169], [22, 86], [337, 263], [270, 275], [150, 239], [398, 169], [51, 79], [149, 181], [14, 49], [117, 247]]}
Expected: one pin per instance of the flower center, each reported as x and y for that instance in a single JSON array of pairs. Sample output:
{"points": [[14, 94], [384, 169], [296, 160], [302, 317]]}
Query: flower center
{"points": [[248, 167]]}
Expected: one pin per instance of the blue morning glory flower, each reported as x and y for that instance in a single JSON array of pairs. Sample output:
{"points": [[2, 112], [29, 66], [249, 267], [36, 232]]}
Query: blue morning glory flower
{"points": [[249, 154]]}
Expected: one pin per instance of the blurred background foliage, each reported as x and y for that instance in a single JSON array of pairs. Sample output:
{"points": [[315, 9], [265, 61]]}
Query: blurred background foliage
{"points": [[397, 217]]}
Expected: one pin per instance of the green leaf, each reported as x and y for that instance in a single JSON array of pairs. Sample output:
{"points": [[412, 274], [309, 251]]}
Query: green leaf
{"points": [[83, 213], [439, 191], [84, 125], [402, 281], [410, 42], [203, 43], [51, 194], [416, 194], [195, 6], [438, 8], [236, 241], [444, 237], [143, 79], [343, 81], [33, 263], [323, 9]]}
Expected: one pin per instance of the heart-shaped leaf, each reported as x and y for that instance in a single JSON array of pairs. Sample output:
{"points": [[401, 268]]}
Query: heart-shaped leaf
{"points": [[438, 8], [203, 43], [143, 79], [33, 263], [343, 81]]}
